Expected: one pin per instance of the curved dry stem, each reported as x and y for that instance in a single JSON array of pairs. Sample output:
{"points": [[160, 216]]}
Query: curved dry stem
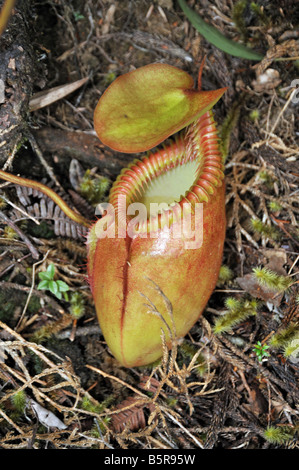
{"points": [[48, 192]]}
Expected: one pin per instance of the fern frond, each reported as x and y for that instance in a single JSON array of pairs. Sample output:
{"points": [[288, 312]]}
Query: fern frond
{"points": [[42, 207]]}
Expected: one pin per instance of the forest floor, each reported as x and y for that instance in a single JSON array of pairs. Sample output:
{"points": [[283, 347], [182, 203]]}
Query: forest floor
{"points": [[232, 389]]}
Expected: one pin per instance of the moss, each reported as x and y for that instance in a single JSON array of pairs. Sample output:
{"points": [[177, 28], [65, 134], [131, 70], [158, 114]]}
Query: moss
{"points": [[109, 78], [287, 340], [274, 206], [254, 115], [259, 13], [272, 280], [77, 307], [225, 275], [93, 188], [9, 233], [18, 401], [291, 349], [238, 311], [3, 203], [172, 402], [100, 427], [239, 17], [93, 406], [266, 178], [279, 434], [263, 229], [285, 336]]}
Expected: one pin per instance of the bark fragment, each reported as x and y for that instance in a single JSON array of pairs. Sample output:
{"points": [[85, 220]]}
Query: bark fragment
{"points": [[18, 72]]}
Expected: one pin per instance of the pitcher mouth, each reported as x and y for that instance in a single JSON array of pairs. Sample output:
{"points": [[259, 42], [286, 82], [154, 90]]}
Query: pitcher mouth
{"points": [[186, 172]]}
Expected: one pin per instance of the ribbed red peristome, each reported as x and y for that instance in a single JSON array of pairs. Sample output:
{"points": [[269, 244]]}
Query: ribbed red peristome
{"points": [[203, 134]]}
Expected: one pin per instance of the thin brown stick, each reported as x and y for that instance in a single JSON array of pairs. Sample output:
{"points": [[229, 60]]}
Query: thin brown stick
{"points": [[33, 250]]}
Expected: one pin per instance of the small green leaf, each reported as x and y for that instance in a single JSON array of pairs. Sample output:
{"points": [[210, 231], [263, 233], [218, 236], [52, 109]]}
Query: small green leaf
{"points": [[44, 276], [47, 275], [62, 286], [51, 270], [53, 287], [43, 285], [260, 350], [215, 37]]}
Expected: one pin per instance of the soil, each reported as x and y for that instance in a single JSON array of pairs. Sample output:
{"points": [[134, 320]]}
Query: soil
{"points": [[236, 389]]}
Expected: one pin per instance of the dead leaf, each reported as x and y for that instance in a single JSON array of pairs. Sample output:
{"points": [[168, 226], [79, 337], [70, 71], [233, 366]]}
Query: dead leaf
{"points": [[46, 417], [47, 97], [257, 401], [251, 285], [268, 80], [276, 261], [109, 18]]}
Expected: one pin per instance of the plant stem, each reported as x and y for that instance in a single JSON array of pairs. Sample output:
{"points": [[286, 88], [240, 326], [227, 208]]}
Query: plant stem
{"points": [[34, 252], [5, 14], [48, 192]]}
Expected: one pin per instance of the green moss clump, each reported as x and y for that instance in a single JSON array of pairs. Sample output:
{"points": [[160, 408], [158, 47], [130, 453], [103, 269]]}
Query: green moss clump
{"points": [[77, 308], [254, 115], [19, 401], [10, 233], [281, 338], [93, 188], [270, 279], [265, 230], [287, 340], [279, 434], [274, 206], [260, 14], [93, 406], [238, 311], [225, 275], [266, 178]]}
